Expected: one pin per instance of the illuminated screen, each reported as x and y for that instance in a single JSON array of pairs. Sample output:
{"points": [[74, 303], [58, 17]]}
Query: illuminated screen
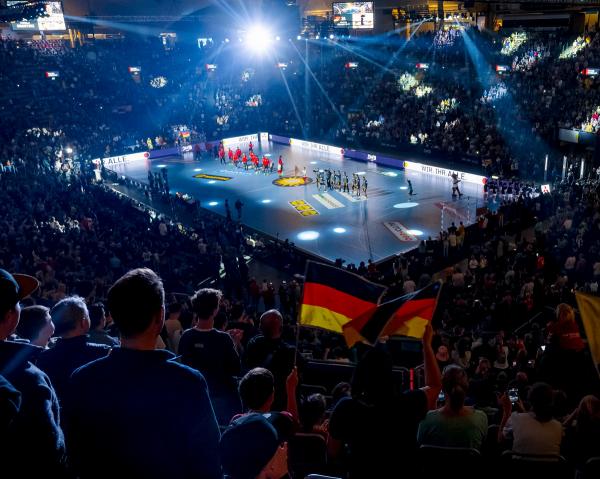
{"points": [[53, 22], [353, 15]]}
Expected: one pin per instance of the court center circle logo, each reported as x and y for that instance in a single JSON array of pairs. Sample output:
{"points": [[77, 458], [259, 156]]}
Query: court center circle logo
{"points": [[289, 181]]}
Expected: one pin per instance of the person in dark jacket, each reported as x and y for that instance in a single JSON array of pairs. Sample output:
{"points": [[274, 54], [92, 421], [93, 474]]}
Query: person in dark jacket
{"points": [[148, 415], [268, 350], [73, 348], [10, 405], [214, 354], [35, 431]]}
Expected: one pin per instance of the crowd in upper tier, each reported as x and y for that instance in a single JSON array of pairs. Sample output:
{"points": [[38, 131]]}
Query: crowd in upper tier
{"points": [[439, 94], [93, 382]]}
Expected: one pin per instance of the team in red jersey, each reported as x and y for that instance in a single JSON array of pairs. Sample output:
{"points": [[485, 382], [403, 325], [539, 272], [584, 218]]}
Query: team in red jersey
{"points": [[250, 159], [246, 160]]}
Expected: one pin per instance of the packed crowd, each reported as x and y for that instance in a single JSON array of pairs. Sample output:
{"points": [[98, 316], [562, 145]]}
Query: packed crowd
{"points": [[107, 367], [398, 93]]}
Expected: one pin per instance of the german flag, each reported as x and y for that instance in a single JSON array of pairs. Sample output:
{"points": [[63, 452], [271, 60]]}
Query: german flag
{"points": [[405, 316], [333, 297]]}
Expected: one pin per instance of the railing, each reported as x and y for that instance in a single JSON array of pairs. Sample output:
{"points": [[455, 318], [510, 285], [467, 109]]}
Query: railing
{"points": [[534, 319]]}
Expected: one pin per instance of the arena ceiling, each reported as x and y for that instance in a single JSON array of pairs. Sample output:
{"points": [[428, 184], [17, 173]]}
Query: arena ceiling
{"points": [[172, 7]]}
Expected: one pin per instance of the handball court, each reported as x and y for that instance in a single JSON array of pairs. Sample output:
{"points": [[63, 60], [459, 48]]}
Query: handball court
{"points": [[326, 223]]}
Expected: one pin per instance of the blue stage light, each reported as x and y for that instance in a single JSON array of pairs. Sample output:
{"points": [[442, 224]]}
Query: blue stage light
{"points": [[405, 205], [308, 235]]}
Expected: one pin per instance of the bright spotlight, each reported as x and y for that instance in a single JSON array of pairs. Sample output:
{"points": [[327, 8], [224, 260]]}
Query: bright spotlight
{"points": [[415, 232], [266, 201], [308, 235], [197, 169], [299, 37], [69, 150], [331, 36], [211, 182], [213, 203], [277, 38], [339, 230], [227, 40], [259, 39], [317, 37]]}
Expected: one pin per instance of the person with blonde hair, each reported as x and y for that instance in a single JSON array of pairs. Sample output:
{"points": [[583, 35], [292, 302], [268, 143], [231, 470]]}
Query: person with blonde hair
{"points": [[564, 331], [583, 429]]}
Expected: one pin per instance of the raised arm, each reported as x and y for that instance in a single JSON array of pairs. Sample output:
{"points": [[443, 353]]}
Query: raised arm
{"points": [[433, 377], [291, 385]]}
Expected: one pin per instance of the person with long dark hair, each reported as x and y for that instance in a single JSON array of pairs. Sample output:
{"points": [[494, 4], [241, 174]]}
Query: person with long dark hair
{"points": [[379, 423]]}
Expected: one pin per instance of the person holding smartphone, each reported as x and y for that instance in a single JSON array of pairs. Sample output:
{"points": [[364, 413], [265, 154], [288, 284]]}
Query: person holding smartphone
{"points": [[534, 431]]}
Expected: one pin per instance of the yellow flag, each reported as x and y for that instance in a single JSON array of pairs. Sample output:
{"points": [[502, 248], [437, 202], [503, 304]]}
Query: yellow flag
{"points": [[589, 308]]}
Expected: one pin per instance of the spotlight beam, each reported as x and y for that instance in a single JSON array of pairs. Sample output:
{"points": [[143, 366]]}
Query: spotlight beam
{"points": [[285, 82], [361, 98], [334, 108], [485, 76]]}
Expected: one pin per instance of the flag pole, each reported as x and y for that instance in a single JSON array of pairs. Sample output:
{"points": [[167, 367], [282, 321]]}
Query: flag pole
{"points": [[297, 340], [299, 315]]}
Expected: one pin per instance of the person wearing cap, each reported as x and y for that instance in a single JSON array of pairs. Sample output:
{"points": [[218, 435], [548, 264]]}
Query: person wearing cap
{"points": [[72, 349], [147, 415], [35, 431], [252, 449]]}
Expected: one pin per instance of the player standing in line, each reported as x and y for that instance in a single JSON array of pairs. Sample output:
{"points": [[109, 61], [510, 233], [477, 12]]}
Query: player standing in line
{"points": [[304, 173], [230, 155], [345, 188], [251, 147], [245, 162], [364, 186], [410, 188], [221, 155]]}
